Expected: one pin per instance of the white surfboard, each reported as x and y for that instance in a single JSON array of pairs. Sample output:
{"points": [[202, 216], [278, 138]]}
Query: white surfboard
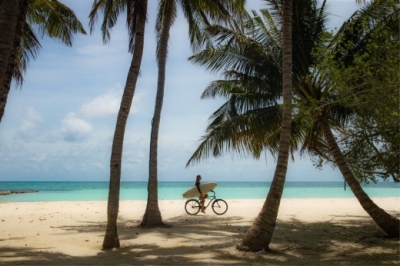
{"points": [[194, 192]]}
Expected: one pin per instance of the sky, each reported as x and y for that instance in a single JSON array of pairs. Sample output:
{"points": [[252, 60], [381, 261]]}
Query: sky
{"points": [[59, 126]]}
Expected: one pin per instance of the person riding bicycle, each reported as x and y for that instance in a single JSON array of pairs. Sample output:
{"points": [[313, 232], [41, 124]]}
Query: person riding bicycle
{"points": [[202, 196]]}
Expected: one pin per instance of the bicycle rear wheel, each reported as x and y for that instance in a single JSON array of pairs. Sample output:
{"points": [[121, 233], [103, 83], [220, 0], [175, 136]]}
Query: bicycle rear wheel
{"points": [[219, 206], [192, 206]]}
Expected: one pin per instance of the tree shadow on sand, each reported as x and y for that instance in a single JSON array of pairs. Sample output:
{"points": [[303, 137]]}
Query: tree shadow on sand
{"points": [[212, 240]]}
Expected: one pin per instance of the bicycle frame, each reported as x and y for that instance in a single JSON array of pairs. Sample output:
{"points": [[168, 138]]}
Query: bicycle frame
{"points": [[212, 198]]}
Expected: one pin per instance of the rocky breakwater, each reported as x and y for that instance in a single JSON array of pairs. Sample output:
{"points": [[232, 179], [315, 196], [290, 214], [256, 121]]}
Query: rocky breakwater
{"points": [[9, 192]]}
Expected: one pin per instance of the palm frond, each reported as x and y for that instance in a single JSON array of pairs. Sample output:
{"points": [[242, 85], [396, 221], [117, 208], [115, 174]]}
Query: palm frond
{"points": [[238, 134], [247, 134], [200, 14], [29, 48], [55, 20], [266, 32], [354, 33], [111, 10], [49, 18], [250, 60]]}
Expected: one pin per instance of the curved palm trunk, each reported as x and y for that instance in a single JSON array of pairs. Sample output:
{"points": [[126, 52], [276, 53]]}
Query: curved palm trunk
{"points": [[111, 239], [12, 22], [259, 236], [152, 215], [385, 221]]}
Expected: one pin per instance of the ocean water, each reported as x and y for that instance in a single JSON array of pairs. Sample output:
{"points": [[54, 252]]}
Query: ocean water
{"points": [[98, 191]]}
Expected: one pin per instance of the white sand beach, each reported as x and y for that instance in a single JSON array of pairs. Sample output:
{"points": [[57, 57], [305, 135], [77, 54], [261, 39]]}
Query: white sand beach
{"points": [[308, 232]]}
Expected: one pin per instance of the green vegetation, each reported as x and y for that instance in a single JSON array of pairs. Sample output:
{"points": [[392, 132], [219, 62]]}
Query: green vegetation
{"points": [[249, 122], [365, 73]]}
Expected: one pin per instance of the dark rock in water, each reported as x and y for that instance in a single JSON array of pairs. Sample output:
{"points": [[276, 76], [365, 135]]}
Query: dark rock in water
{"points": [[24, 191], [9, 192]]}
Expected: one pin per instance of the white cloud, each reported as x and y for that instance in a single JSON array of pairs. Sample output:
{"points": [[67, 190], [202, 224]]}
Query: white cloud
{"points": [[100, 165], [39, 158], [74, 128], [107, 104], [28, 127], [103, 105], [32, 117]]}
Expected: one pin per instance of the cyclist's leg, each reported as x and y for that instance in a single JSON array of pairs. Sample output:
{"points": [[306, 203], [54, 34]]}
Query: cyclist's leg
{"points": [[202, 200]]}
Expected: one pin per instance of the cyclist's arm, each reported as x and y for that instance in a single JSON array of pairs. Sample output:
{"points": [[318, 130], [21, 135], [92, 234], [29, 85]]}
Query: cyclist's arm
{"points": [[198, 187]]}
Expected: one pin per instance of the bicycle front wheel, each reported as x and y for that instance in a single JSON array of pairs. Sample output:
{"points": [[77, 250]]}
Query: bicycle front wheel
{"points": [[219, 206], [192, 206]]}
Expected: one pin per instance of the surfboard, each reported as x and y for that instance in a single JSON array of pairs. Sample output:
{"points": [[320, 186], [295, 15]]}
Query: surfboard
{"points": [[194, 192]]}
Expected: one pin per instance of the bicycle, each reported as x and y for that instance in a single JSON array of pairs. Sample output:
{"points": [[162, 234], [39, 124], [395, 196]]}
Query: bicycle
{"points": [[219, 206]]}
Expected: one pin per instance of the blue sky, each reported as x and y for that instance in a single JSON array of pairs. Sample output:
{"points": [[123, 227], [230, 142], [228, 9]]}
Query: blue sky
{"points": [[60, 125]]}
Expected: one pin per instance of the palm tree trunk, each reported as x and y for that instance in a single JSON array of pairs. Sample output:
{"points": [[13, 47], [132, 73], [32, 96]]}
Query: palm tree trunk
{"points": [[385, 221], [12, 22], [111, 239], [152, 215], [259, 236]]}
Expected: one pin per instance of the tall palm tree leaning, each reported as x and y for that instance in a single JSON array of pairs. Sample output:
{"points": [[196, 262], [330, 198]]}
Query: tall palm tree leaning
{"points": [[51, 18], [319, 109], [199, 15], [136, 20], [259, 235]]}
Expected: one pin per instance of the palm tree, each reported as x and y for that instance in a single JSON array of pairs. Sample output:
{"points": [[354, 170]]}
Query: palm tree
{"points": [[12, 22], [251, 61], [252, 119], [251, 58], [199, 14], [51, 18], [136, 21], [259, 235]]}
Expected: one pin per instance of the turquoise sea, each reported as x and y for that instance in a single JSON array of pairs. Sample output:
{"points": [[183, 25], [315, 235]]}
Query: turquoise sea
{"points": [[98, 191]]}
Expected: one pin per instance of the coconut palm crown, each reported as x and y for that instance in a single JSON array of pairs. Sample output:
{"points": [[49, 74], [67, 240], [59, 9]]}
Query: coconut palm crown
{"points": [[250, 56]]}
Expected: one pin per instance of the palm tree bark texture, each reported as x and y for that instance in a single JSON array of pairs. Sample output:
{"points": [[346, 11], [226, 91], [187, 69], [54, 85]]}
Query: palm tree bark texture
{"points": [[387, 222], [12, 22], [111, 239], [259, 235], [152, 215]]}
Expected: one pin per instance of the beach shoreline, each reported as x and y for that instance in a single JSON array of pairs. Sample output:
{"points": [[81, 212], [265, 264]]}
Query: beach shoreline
{"points": [[308, 231]]}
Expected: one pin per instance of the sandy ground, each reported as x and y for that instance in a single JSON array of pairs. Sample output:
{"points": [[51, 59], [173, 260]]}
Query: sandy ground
{"points": [[308, 232]]}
